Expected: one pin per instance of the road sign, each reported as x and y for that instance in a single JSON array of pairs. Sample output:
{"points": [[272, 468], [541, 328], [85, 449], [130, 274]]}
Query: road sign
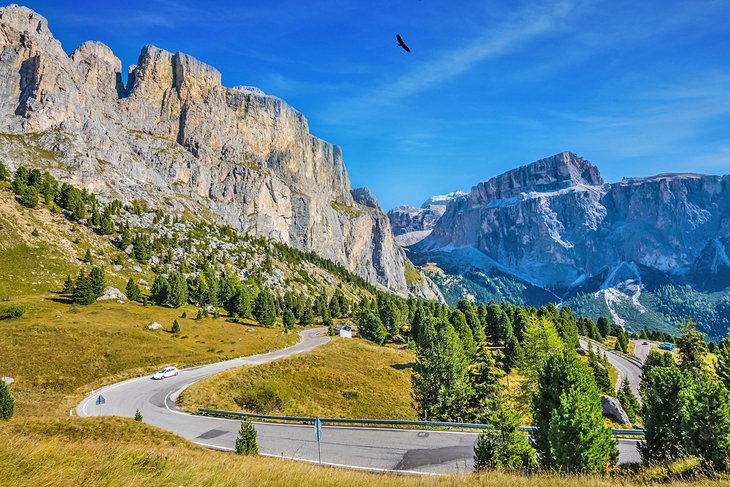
{"points": [[100, 400]]}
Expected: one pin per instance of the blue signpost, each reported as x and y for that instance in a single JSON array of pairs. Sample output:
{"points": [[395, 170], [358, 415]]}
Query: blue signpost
{"points": [[100, 401], [318, 436]]}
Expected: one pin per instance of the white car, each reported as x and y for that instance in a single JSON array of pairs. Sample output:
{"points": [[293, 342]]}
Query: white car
{"points": [[165, 373]]}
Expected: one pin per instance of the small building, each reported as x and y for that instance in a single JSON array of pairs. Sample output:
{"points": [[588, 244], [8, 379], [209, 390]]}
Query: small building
{"points": [[346, 332]]}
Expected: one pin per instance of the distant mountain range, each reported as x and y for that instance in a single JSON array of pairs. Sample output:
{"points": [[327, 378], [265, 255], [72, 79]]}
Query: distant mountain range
{"points": [[649, 252]]}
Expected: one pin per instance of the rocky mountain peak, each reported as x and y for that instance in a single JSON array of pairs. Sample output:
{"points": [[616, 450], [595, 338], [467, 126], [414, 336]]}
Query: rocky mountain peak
{"points": [[176, 138], [550, 174]]}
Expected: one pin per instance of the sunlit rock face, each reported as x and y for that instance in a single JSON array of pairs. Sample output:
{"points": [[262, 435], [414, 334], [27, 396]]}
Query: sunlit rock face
{"points": [[174, 136], [556, 224]]}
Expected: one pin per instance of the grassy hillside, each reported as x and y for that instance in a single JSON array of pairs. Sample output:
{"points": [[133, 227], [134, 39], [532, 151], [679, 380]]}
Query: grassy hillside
{"points": [[116, 451], [344, 378]]}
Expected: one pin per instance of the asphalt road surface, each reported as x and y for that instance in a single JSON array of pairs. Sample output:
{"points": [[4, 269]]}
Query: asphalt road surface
{"points": [[642, 351], [377, 449], [624, 366]]}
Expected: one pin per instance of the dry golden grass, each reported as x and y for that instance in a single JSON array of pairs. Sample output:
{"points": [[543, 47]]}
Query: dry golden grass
{"points": [[116, 451], [344, 378], [56, 352]]}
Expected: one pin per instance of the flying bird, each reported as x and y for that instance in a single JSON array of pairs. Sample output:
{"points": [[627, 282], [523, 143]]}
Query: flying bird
{"points": [[401, 43]]}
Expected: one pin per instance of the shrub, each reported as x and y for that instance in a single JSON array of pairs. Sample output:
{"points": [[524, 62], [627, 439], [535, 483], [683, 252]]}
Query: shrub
{"points": [[246, 441], [261, 399], [175, 327], [11, 311]]}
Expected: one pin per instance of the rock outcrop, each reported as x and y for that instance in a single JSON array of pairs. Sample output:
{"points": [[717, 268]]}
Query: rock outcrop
{"points": [[178, 138], [611, 408]]}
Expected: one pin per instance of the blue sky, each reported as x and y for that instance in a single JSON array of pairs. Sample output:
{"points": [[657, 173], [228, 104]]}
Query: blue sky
{"points": [[638, 88]]}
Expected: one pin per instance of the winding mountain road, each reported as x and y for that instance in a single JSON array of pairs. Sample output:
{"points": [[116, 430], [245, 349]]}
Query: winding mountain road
{"points": [[626, 367], [375, 449]]}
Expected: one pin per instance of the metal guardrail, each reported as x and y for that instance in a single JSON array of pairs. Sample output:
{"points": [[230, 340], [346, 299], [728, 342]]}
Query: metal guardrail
{"points": [[378, 422]]}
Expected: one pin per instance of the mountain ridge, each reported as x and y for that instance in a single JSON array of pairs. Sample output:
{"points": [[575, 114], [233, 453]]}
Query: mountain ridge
{"points": [[175, 136]]}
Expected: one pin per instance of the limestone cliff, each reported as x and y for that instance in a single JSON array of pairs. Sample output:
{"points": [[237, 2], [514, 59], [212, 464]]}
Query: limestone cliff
{"points": [[174, 135]]}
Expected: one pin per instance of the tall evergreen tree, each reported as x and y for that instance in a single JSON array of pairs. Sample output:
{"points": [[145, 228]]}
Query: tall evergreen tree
{"points": [[98, 281], [604, 326], [132, 290], [264, 309], [178, 294], [666, 392], [566, 412], [243, 302], [370, 327], [707, 423], [289, 320], [579, 440], [160, 290], [68, 285], [83, 291], [628, 401], [440, 376], [692, 348], [722, 366], [458, 321]]}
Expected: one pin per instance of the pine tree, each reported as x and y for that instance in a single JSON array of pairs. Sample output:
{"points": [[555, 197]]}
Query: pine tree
{"points": [[458, 321], [371, 328], [98, 281], [484, 386], [503, 446], [692, 348], [707, 423], [178, 295], [289, 320], [125, 238], [334, 306], [175, 327], [628, 401], [246, 440], [243, 302], [88, 258], [7, 403], [722, 366], [498, 326], [600, 374], [264, 309], [604, 326], [132, 290], [68, 285], [199, 316], [579, 440], [307, 317], [666, 392], [440, 376], [83, 292], [566, 401], [160, 290], [138, 416], [29, 197], [107, 226], [513, 354]]}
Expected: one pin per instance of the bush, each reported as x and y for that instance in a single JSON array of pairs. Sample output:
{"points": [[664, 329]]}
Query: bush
{"points": [[261, 399], [246, 441], [11, 311], [175, 327]]}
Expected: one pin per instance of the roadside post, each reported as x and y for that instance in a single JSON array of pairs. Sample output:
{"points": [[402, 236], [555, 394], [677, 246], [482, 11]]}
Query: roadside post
{"points": [[318, 436]]}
